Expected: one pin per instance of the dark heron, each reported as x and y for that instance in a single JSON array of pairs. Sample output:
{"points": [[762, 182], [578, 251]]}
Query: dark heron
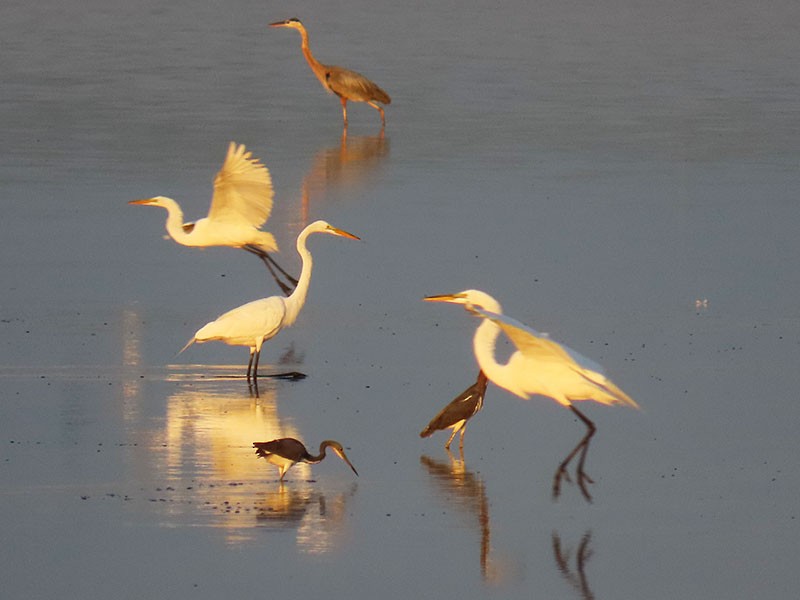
{"points": [[539, 367], [241, 204], [255, 322], [284, 453], [456, 414], [346, 84]]}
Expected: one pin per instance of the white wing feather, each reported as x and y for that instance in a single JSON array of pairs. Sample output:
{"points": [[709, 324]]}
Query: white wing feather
{"points": [[242, 190]]}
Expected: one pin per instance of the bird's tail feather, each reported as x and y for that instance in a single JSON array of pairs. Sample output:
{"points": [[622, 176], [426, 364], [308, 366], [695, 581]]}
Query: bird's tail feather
{"points": [[427, 432]]}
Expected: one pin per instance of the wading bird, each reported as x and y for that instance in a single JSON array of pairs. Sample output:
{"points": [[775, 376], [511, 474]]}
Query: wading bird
{"points": [[456, 414], [241, 204], [255, 322], [285, 453], [540, 366], [346, 84]]}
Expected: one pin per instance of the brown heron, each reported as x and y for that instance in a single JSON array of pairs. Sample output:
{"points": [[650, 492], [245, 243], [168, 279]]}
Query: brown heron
{"points": [[241, 204], [456, 414], [540, 366], [284, 453], [346, 84], [255, 322]]}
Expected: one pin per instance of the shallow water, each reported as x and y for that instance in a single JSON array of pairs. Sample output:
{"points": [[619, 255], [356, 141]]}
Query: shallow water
{"points": [[623, 176]]}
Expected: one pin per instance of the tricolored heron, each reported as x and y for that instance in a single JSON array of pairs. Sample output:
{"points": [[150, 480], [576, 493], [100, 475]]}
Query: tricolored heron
{"points": [[540, 366], [255, 322], [456, 414], [285, 453], [241, 204], [346, 84]]}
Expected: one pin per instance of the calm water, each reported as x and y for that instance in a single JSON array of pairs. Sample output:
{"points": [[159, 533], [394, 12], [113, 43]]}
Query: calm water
{"points": [[622, 175]]}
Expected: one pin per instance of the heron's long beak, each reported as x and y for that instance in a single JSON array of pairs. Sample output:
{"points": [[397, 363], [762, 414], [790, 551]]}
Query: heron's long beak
{"points": [[342, 233], [143, 201], [342, 455], [278, 24], [452, 298]]}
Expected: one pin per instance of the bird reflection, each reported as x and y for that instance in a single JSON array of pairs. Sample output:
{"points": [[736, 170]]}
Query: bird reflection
{"points": [[319, 518], [465, 489], [575, 577], [345, 166]]}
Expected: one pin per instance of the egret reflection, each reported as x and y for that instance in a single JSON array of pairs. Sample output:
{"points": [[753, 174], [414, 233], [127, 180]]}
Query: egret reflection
{"points": [[575, 576]]}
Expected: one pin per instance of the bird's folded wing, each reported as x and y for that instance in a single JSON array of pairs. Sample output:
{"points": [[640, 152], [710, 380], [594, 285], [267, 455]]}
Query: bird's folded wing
{"points": [[538, 345], [242, 189]]}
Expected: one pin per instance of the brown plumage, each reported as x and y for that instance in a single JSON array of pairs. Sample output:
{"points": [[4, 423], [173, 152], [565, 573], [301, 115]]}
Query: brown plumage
{"points": [[346, 84], [456, 414]]}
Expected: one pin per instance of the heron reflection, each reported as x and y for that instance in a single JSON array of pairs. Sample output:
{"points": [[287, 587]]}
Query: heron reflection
{"points": [[346, 166], [465, 489], [320, 518], [576, 576]]}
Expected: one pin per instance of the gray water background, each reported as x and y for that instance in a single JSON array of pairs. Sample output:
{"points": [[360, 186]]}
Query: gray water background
{"points": [[623, 175]]}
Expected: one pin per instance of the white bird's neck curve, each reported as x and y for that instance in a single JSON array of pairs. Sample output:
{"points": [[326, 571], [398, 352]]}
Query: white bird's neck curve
{"points": [[294, 303]]}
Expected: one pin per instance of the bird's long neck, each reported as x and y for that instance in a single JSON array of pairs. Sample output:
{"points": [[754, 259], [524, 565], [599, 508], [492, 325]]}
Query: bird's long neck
{"points": [[316, 66], [175, 222], [297, 298], [318, 458], [484, 344]]}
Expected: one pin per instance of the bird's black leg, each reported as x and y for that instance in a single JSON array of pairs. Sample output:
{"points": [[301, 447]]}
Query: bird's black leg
{"points": [[582, 447], [250, 365], [255, 365], [271, 265]]}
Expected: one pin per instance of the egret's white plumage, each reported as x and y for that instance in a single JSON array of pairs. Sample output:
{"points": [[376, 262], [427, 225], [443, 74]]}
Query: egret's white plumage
{"points": [[540, 365], [241, 204], [255, 322]]}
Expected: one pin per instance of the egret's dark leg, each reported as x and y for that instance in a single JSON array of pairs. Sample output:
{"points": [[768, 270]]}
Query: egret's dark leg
{"points": [[582, 447], [250, 364], [255, 365], [272, 265]]}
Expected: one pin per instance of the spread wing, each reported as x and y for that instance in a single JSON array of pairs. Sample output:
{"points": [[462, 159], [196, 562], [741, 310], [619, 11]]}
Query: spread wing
{"points": [[242, 189], [538, 345]]}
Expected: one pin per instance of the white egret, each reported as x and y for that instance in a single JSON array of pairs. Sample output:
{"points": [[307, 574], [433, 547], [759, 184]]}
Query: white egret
{"points": [[255, 322], [460, 410], [540, 366], [285, 453], [346, 84], [241, 204]]}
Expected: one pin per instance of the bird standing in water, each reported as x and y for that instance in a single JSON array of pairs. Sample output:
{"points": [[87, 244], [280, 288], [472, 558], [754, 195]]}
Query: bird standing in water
{"points": [[456, 414], [241, 204], [540, 366], [346, 84], [285, 453], [255, 322]]}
